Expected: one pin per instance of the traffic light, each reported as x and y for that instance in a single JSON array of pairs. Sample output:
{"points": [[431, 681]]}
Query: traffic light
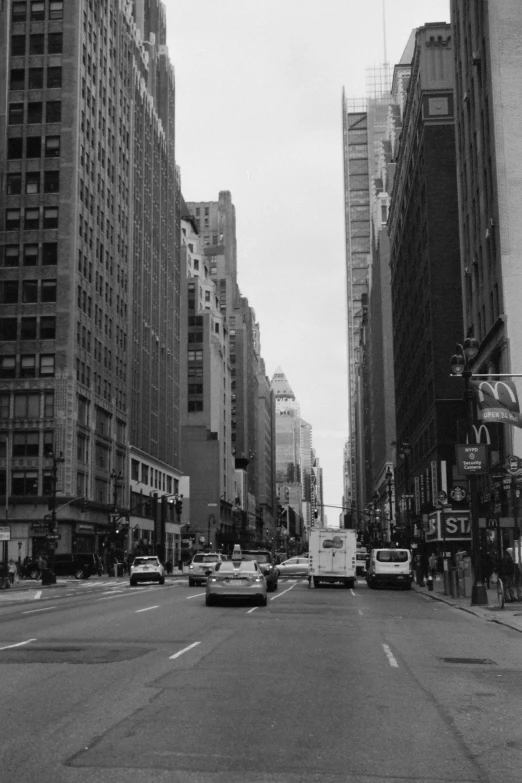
{"points": [[179, 505]]}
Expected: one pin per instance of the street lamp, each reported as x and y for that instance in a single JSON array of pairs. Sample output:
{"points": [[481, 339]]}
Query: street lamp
{"points": [[461, 366], [389, 481]]}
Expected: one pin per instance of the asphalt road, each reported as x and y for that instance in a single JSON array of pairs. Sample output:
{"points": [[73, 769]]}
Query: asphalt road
{"points": [[100, 682]]}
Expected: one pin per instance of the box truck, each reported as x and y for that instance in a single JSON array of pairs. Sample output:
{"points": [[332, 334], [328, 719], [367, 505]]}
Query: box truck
{"points": [[331, 556]]}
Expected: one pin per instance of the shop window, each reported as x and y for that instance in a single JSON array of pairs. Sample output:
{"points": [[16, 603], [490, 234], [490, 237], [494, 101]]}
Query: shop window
{"points": [[14, 149], [7, 366], [28, 329], [28, 366], [24, 482], [36, 44], [11, 255], [32, 182], [30, 255], [8, 329], [33, 147], [16, 114], [36, 78]]}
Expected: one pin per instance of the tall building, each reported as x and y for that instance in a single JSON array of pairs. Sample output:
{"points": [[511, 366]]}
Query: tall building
{"points": [[425, 274], [89, 272]]}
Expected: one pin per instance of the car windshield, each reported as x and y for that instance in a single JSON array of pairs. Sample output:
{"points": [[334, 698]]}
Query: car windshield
{"points": [[229, 566], [392, 556], [145, 561], [261, 557], [205, 559]]}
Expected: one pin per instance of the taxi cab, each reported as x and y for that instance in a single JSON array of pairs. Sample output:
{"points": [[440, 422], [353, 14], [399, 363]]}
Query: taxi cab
{"points": [[235, 579]]}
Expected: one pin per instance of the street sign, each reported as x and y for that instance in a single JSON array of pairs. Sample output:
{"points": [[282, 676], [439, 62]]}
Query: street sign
{"points": [[472, 458], [5, 533], [53, 536]]}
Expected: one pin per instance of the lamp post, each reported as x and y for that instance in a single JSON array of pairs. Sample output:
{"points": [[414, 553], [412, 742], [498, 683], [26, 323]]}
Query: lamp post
{"points": [[389, 481], [461, 366]]}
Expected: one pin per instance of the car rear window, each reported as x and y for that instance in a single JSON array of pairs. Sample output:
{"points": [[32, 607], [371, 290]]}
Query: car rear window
{"points": [[261, 557], [205, 559], [145, 561], [230, 566], [392, 556]]}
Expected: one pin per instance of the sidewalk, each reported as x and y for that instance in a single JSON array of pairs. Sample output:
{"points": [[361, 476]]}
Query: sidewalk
{"points": [[511, 615]]}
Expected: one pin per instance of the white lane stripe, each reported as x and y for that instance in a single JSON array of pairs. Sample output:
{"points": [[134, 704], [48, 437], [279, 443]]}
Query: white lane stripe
{"points": [[8, 647], [360, 611], [390, 656], [252, 610], [45, 609], [38, 595], [147, 609], [280, 594], [352, 591], [195, 596], [185, 649]]}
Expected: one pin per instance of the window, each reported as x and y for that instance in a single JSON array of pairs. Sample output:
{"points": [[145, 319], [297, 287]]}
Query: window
{"points": [[30, 255], [25, 444], [47, 482], [17, 79], [32, 218], [19, 12], [32, 182], [34, 113], [11, 255], [55, 43], [195, 405], [36, 78], [50, 253], [54, 77], [48, 291], [24, 482], [144, 474], [9, 292], [56, 9], [51, 181], [14, 184], [7, 366], [37, 10], [28, 367], [47, 327], [102, 455], [36, 44], [8, 328], [29, 291], [53, 111], [52, 146], [28, 328], [16, 113], [14, 149], [27, 406], [48, 405], [33, 147], [81, 448], [4, 406], [47, 365], [12, 219], [135, 469], [50, 218]]}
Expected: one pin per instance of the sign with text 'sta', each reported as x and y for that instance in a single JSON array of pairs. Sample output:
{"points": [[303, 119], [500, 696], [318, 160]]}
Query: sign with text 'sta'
{"points": [[472, 459]]}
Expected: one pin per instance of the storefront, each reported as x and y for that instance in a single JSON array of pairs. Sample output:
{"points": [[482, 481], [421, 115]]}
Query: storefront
{"points": [[84, 538], [449, 531]]}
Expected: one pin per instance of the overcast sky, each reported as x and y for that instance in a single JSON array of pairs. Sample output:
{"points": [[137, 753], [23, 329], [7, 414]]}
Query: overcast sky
{"points": [[259, 86]]}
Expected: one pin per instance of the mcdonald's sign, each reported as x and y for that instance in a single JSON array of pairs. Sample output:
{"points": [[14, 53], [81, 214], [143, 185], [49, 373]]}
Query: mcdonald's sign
{"points": [[497, 401]]}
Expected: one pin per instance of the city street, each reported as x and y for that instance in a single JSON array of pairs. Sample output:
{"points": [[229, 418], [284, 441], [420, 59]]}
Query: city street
{"points": [[101, 682]]}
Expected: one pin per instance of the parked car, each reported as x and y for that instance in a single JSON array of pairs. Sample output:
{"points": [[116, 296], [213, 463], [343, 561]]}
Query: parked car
{"points": [[30, 570], [146, 568], [236, 579], [265, 560], [295, 566], [82, 565], [202, 564]]}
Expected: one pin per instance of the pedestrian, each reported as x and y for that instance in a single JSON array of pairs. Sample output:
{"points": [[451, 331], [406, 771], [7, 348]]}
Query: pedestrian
{"points": [[168, 566], [517, 579], [12, 571], [507, 574], [432, 565]]}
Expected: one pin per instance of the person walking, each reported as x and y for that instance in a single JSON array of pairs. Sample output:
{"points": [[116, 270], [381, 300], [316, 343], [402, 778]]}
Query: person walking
{"points": [[517, 580], [432, 565], [12, 571], [507, 574]]}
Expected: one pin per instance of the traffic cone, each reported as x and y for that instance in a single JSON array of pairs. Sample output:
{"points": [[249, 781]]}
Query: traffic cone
{"points": [[311, 583]]}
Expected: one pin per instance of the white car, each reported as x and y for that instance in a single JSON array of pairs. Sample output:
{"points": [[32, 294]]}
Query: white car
{"points": [[146, 568], [295, 566], [202, 564]]}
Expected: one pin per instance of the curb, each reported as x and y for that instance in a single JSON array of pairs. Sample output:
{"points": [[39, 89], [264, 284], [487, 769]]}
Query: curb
{"points": [[468, 609]]}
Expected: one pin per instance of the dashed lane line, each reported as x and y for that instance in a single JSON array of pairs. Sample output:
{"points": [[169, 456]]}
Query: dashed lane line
{"points": [[19, 644], [185, 649], [147, 609], [43, 609], [390, 656]]}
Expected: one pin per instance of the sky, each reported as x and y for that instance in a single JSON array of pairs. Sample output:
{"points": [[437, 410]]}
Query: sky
{"points": [[258, 112]]}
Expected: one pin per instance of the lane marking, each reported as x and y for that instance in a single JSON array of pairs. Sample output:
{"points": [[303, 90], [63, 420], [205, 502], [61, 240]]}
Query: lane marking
{"points": [[44, 609], [38, 595], [284, 591], [8, 647], [195, 596], [390, 656], [252, 610], [360, 611], [185, 649], [147, 609], [352, 591]]}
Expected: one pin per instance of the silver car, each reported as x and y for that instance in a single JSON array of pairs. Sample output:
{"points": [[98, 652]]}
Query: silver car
{"points": [[237, 579], [203, 563], [295, 566]]}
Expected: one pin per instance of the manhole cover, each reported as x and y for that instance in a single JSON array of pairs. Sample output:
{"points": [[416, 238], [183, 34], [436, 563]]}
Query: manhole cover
{"points": [[468, 660]]}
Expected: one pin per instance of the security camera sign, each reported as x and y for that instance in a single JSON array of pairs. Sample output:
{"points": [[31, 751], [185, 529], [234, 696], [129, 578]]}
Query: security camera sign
{"points": [[472, 458]]}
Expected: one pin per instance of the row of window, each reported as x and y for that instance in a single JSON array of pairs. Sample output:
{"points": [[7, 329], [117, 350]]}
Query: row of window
{"points": [[37, 41], [32, 184], [28, 328], [27, 406], [32, 291], [30, 218], [34, 146], [36, 10], [27, 366], [34, 113], [29, 254], [158, 479], [25, 482], [33, 78]]}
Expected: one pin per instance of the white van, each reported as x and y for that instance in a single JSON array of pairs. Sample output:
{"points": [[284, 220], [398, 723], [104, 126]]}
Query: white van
{"points": [[390, 567]]}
